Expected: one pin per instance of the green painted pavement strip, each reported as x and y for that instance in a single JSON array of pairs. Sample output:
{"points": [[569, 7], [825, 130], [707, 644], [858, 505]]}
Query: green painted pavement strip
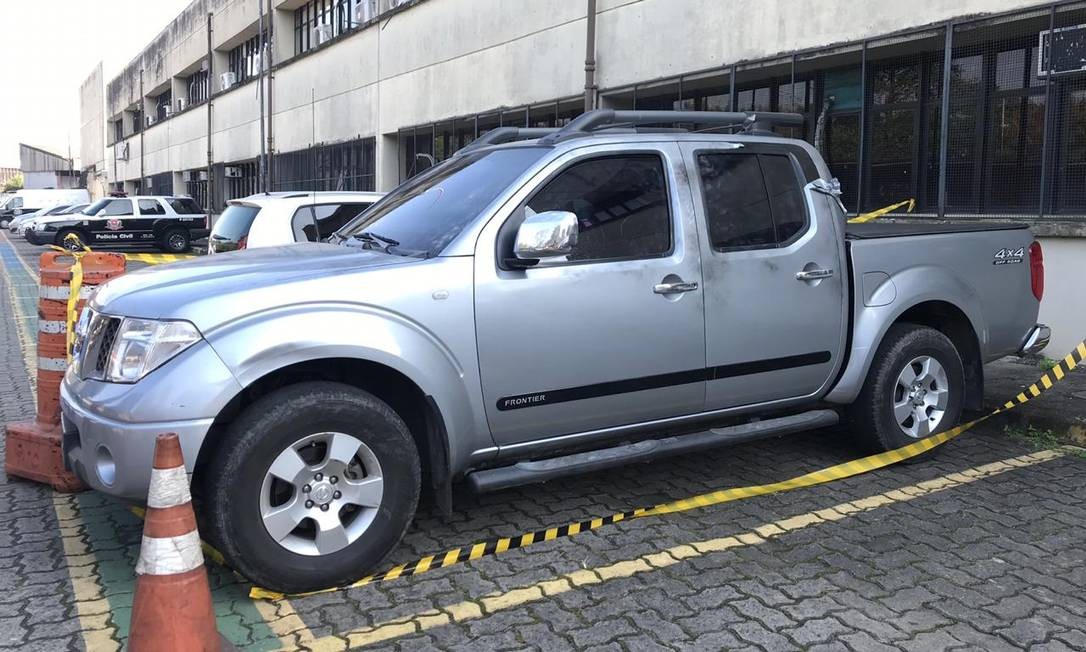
{"points": [[112, 533]]}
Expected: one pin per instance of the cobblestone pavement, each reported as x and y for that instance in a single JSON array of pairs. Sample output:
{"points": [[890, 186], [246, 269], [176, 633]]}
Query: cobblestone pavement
{"points": [[954, 551]]}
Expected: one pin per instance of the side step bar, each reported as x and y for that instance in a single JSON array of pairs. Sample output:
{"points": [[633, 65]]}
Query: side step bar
{"points": [[643, 451]]}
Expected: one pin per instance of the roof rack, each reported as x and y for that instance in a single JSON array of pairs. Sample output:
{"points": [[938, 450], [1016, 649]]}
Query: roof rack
{"points": [[507, 135], [758, 123]]}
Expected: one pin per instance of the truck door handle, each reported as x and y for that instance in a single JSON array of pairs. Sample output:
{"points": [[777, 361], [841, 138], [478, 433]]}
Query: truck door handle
{"points": [[813, 274], [675, 288]]}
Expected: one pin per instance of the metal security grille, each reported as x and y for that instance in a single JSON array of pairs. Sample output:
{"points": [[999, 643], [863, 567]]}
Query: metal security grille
{"points": [[349, 166], [161, 183], [1012, 89], [424, 146], [163, 106], [198, 87], [241, 179], [319, 21], [244, 60]]}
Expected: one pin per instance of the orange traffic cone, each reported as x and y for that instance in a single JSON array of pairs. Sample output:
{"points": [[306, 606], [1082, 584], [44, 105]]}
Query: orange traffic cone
{"points": [[172, 608]]}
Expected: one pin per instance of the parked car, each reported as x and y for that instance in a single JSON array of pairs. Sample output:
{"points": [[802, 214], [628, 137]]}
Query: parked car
{"points": [[279, 218], [524, 311], [169, 223], [32, 200], [26, 222]]}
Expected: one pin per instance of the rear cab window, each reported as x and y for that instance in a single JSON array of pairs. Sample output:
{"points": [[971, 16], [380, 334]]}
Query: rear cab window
{"points": [[752, 200]]}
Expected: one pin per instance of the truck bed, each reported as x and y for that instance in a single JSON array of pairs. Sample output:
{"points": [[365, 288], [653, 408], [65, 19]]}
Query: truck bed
{"points": [[886, 229]]}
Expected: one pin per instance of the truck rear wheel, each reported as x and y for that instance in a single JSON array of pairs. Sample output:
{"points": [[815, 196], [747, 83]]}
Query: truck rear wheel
{"points": [[913, 390], [313, 485]]}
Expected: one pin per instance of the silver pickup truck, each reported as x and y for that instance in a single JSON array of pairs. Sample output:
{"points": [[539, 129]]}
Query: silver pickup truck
{"points": [[540, 304]]}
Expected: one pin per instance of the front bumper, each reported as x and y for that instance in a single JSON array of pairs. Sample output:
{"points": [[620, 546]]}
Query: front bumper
{"points": [[1037, 340], [39, 237], [115, 457], [110, 428]]}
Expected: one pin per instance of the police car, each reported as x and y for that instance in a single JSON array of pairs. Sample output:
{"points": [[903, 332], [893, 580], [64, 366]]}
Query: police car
{"points": [[169, 223]]}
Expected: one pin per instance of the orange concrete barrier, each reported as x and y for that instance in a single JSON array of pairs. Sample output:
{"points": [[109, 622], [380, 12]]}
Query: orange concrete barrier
{"points": [[172, 609], [34, 448]]}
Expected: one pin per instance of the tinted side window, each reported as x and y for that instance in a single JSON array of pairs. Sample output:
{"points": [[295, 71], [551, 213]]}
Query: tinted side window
{"points": [[329, 218], [736, 201], [785, 196], [751, 200], [151, 207], [185, 206], [621, 204], [118, 207]]}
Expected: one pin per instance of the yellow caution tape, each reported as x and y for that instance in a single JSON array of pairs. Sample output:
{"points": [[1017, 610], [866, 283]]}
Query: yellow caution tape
{"points": [[867, 217], [73, 291], [847, 469]]}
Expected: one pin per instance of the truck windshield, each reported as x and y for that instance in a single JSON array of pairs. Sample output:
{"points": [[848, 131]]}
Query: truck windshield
{"points": [[423, 215]]}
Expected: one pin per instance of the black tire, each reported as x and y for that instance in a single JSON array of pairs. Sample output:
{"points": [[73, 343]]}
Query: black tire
{"points": [[63, 239], [232, 485], [871, 417], [175, 241]]}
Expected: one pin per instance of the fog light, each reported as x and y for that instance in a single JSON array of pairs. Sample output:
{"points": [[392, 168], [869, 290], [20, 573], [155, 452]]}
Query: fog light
{"points": [[104, 466]]}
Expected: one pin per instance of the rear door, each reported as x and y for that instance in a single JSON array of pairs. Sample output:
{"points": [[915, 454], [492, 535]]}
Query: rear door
{"points": [[144, 227], [775, 293]]}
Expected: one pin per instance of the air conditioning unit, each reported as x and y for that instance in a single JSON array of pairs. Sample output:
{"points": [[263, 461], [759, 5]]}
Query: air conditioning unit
{"points": [[364, 12], [186, 176], [182, 104], [168, 111], [148, 120], [202, 175], [322, 34], [227, 79], [203, 65], [232, 172], [120, 150]]}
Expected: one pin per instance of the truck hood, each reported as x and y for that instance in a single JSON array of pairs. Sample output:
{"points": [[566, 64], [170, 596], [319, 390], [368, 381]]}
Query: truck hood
{"points": [[205, 290]]}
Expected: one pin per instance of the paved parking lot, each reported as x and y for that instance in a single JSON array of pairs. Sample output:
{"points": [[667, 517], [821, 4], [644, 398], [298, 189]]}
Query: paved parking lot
{"points": [[980, 545]]}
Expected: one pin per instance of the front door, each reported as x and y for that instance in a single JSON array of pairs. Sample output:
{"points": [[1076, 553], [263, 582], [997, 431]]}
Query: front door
{"points": [[110, 226], [608, 335], [775, 288]]}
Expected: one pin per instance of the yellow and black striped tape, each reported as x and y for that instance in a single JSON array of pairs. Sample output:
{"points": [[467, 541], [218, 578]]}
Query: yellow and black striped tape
{"points": [[847, 469], [867, 217]]}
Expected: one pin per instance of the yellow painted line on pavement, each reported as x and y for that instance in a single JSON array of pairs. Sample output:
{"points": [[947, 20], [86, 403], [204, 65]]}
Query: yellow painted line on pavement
{"points": [[158, 259], [95, 619], [506, 600], [95, 624]]}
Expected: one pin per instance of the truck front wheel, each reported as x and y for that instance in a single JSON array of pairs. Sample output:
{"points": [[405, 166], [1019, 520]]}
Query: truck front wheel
{"points": [[313, 485], [913, 390]]}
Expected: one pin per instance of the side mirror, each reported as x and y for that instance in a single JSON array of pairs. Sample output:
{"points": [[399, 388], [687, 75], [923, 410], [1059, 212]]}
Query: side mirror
{"points": [[545, 235]]}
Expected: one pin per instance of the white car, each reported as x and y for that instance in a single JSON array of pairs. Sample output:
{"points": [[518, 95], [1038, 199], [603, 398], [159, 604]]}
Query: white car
{"points": [[27, 225], [279, 218]]}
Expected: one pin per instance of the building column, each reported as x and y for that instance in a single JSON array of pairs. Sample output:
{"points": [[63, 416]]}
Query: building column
{"points": [[388, 162]]}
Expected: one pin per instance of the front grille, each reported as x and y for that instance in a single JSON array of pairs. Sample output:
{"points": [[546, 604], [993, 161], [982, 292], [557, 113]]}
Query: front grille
{"points": [[101, 334], [108, 337]]}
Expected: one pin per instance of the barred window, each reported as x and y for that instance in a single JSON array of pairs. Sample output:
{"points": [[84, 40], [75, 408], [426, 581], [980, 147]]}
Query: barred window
{"points": [[244, 60], [198, 90]]}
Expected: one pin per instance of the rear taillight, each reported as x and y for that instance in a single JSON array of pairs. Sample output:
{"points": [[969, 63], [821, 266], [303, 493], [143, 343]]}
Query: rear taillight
{"points": [[1037, 270], [244, 240]]}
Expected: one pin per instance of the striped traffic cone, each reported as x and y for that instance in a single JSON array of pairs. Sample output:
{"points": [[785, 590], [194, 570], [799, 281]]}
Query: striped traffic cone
{"points": [[172, 608]]}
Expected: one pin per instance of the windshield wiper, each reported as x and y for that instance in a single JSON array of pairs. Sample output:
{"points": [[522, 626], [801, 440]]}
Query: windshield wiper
{"points": [[373, 238]]}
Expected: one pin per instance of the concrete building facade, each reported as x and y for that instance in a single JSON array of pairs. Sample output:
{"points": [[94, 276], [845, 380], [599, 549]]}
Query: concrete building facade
{"points": [[970, 107]]}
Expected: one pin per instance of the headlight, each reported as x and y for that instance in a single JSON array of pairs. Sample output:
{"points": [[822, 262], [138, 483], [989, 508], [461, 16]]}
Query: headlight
{"points": [[142, 345]]}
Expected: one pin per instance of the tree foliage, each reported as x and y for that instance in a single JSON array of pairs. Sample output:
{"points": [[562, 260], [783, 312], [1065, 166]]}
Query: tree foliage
{"points": [[14, 183]]}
